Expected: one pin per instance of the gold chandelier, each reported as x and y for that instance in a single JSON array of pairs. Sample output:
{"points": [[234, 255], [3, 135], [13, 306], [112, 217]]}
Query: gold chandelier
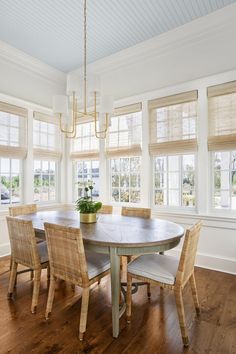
{"points": [[66, 106]]}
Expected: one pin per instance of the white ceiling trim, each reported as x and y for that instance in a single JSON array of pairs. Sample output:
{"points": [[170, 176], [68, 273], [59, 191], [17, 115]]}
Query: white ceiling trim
{"points": [[29, 63], [191, 32]]}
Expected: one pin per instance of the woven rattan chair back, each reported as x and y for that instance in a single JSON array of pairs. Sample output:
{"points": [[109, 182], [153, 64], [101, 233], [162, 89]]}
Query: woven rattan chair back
{"points": [[66, 254], [23, 242], [106, 209], [188, 254], [23, 209], [136, 212]]}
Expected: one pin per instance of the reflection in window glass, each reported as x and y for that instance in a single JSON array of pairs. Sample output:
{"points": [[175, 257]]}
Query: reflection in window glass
{"points": [[125, 179], [11, 129], [174, 183], [44, 181], [46, 135], [10, 181], [224, 174], [86, 171]]}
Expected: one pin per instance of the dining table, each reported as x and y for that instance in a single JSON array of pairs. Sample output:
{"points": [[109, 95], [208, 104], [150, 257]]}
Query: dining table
{"points": [[117, 236]]}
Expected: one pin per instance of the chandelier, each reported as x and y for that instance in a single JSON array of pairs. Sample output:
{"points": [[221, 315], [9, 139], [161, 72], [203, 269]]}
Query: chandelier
{"points": [[86, 89]]}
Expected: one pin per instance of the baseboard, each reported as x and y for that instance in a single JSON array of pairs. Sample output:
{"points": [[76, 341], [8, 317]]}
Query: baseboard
{"points": [[225, 265], [5, 249]]}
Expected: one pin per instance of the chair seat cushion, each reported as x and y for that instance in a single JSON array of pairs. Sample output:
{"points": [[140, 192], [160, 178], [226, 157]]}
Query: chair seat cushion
{"points": [[157, 267], [43, 251], [97, 263]]}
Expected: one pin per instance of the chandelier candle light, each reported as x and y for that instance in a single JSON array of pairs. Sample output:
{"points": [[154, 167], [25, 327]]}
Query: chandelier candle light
{"points": [[66, 106]]}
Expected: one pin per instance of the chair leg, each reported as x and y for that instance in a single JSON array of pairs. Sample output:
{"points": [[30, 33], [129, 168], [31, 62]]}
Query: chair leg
{"points": [[129, 298], [181, 315], [31, 275], [48, 272], [194, 293], [37, 278], [12, 281], [50, 297], [149, 290], [129, 259], [83, 313]]}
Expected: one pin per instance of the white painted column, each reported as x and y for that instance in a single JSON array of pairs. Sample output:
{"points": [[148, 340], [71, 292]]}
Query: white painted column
{"points": [[63, 180], [28, 166], [69, 175], [103, 177], [146, 164], [203, 160]]}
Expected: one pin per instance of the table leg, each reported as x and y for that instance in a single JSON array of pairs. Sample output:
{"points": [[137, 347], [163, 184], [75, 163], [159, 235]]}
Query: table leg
{"points": [[115, 289]]}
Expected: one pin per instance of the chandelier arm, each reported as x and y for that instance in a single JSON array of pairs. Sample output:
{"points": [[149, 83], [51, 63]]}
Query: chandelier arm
{"points": [[74, 121]]}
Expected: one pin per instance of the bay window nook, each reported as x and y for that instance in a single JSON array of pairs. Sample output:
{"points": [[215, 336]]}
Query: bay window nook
{"points": [[118, 176]]}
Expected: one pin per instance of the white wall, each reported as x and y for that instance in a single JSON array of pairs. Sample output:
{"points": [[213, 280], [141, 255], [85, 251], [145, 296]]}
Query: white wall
{"points": [[27, 78]]}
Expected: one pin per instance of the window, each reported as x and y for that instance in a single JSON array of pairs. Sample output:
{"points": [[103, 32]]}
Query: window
{"points": [[224, 174], [125, 179], [45, 181], [173, 124], [10, 184], [125, 131], [46, 132], [85, 138], [174, 180], [84, 171]]}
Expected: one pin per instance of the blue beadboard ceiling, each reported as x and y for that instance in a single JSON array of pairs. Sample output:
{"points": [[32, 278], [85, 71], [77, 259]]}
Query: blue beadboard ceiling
{"points": [[52, 30]]}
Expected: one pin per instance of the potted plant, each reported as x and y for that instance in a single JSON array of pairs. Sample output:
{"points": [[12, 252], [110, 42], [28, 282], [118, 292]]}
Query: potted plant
{"points": [[87, 206]]}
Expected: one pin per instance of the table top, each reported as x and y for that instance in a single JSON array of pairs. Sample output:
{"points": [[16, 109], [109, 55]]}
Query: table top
{"points": [[111, 229]]}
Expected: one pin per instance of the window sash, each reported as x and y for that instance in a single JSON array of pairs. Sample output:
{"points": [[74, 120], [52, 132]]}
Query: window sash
{"points": [[125, 141], [222, 117], [177, 137], [13, 146]]}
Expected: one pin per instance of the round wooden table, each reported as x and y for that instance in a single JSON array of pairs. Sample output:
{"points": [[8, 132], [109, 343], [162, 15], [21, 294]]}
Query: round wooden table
{"points": [[115, 235]]}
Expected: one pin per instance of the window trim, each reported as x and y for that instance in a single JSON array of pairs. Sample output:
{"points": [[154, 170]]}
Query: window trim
{"points": [[169, 208], [4, 207], [213, 210], [57, 183]]}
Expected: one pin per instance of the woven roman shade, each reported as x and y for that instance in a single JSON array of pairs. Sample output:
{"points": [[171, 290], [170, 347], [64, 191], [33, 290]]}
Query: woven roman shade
{"points": [[172, 128], [13, 123], [47, 118], [222, 116], [51, 132], [85, 146], [12, 109], [124, 137]]}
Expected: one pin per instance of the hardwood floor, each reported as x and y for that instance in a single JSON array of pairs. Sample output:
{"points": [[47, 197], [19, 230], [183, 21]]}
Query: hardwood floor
{"points": [[154, 327]]}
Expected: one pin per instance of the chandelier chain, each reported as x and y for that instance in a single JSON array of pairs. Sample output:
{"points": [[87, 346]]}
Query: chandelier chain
{"points": [[85, 55]]}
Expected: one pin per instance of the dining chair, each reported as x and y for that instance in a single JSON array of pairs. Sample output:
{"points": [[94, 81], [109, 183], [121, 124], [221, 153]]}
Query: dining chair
{"points": [[106, 209], [70, 262], [23, 210], [25, 251], [169, 272], [144, 213]]}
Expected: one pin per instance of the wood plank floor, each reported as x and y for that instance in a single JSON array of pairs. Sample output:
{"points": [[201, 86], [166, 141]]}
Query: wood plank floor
{"points": [[154, 327]]}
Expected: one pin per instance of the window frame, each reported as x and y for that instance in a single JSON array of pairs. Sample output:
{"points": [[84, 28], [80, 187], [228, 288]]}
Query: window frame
{"points": [[170, 208], [21, 189], [57, 182], [120, 204], [213, 210], [74, 178]]}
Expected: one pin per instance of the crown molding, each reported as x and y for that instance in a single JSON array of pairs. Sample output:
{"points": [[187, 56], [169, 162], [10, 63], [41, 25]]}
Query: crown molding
{"points": [[198, 30], [29, 63]]}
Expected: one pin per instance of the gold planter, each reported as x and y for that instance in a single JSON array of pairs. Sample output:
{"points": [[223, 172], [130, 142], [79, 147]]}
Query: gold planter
{"points": [[88, 218]]}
